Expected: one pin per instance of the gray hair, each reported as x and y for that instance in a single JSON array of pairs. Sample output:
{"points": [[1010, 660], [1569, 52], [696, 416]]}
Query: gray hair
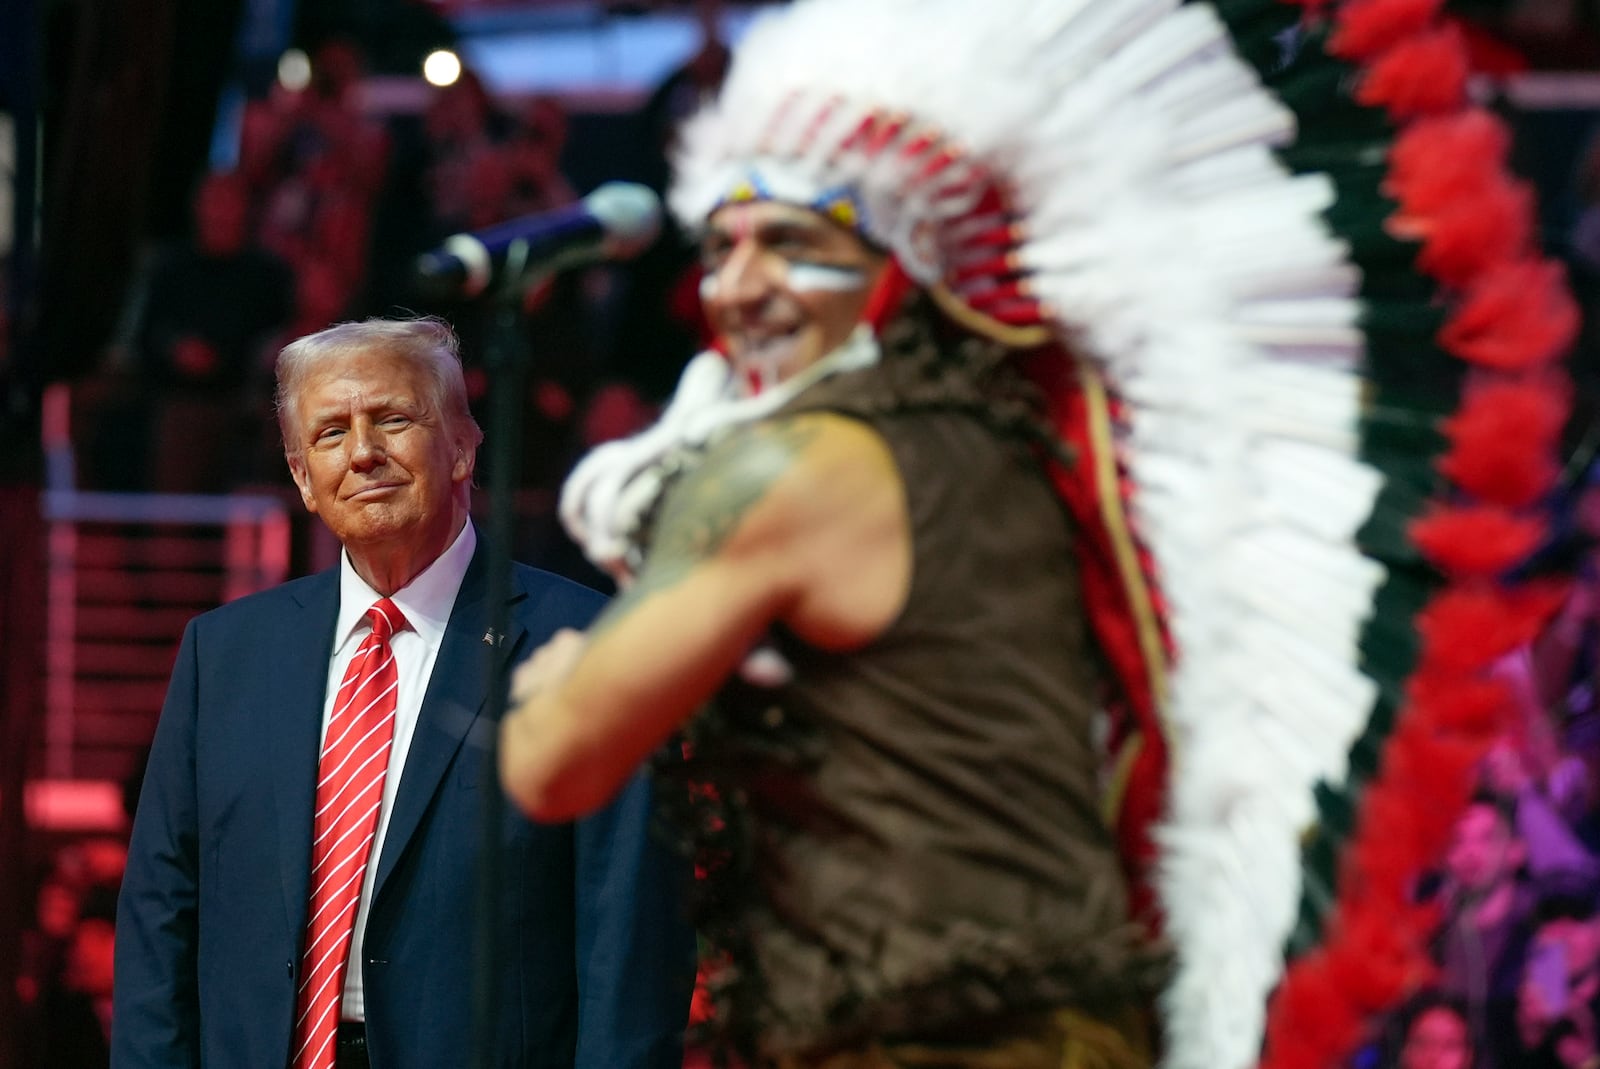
{"points": [[426, 343]]}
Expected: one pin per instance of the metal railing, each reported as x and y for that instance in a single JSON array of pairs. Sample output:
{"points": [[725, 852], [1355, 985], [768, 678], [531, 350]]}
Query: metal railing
{"points": [[126, 572]]}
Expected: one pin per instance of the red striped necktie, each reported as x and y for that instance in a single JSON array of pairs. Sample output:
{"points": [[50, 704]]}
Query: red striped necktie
{"points": [[355, 758]]}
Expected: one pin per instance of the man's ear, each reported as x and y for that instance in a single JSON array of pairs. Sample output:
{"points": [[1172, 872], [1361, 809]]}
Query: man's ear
{"points": [[302, 480], [466, 462]]}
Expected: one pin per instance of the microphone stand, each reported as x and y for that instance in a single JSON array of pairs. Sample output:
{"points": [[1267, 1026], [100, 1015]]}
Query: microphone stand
{"points": [[506, 360]]}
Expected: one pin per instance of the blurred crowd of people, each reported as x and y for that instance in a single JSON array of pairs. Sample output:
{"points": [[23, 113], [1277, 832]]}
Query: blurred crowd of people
{"points": [[65, 982], [1517, 947], [321, 220]]}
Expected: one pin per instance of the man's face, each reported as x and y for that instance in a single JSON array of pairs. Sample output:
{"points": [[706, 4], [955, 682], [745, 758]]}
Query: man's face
{"points": [[783, 286], [1483, 850], [376, 456], [1437, 1039]]}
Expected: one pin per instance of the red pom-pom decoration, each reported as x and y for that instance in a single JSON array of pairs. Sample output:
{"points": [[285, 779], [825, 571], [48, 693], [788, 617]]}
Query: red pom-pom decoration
{"points": [[1503, 440], [1373, 961], [1421, 75], [1434, 161], [1475, 707], [1479, 228], [1367, 27], [1324, 1019], [1518, 315], [1480, 540], [1466, 629]]}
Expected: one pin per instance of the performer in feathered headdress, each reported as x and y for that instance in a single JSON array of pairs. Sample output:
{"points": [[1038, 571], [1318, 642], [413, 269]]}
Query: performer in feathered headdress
{"points": [[1067, 487]]}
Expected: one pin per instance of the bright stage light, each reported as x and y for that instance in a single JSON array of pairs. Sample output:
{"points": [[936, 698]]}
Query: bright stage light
{"points": [[294, 70], [442, 67]]}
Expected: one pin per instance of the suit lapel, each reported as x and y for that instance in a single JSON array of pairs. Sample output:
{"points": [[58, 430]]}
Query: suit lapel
{"points": [[452, 709], [299, 685]]}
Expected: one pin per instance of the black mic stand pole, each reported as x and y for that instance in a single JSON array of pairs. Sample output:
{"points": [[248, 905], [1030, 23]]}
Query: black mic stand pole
{"points": [[506, 359]]}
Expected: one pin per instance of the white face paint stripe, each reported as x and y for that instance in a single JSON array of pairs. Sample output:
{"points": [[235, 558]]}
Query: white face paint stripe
{"points": [[825, 278], [805, 278]]}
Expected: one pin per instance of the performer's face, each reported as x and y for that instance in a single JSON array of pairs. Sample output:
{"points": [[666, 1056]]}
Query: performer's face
{"points": [[376, 454], [783, 286]]}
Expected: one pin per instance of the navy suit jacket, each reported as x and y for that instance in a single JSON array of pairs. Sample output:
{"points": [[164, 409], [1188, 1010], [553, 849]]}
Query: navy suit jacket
{"points": [[596, 963]]}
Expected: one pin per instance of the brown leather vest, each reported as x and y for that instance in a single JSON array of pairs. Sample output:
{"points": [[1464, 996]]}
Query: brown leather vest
{"points": [[909, 834]]}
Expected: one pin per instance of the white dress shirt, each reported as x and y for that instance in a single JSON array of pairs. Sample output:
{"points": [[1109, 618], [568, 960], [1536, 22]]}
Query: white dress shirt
{"points": [[426, 603]]}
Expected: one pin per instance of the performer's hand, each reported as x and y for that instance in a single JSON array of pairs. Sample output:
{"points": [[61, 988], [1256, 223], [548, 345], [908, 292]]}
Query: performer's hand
{"points": [[548, 666]]}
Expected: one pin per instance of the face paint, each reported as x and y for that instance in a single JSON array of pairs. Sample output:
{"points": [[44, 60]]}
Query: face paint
{"points": [[782, 287], [741, 229], [825, 278], [806, 278]]}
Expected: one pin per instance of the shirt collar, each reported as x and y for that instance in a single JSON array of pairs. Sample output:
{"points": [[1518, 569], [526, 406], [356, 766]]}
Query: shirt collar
{"points": [[426, 601]]}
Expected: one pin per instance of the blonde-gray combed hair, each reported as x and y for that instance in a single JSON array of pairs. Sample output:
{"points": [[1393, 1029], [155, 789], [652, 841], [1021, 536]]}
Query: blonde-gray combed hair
{"points": [[427, 343]]}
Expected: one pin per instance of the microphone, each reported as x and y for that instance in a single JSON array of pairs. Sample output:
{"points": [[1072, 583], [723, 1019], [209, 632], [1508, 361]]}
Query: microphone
{"points": [[619, 220]]}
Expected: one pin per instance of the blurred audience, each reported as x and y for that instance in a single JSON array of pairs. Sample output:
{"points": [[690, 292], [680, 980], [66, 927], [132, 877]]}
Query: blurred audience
{"points": [[322, 221], [65, 985], [1429, 1032], [211, 309], [658, 324], [1549, 784], [684, 91], [533, 153], [1487, 905], [1567, 654], [1518, 939], [461, 127], [1558, 1000], [331, 164], [1550, 790], [615, 410]]}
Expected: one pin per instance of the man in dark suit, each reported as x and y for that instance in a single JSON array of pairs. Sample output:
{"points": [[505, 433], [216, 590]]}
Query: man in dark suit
{"points": [[243, 938]]}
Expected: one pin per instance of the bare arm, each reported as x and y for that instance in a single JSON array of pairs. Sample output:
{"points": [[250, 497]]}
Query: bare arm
{"points": [[800, 521]]}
